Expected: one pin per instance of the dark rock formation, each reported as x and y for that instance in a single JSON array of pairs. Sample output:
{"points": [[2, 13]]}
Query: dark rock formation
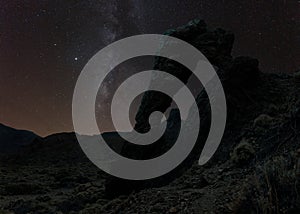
{"points": [[241, 72], [215, 44]]}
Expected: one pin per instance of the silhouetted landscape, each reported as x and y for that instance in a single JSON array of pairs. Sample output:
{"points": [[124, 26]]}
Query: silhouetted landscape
{"points": [[256, 169]]}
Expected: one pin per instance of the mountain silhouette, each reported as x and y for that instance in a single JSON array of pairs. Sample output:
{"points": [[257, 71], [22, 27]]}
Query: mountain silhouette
{"points": [[12, 140]]}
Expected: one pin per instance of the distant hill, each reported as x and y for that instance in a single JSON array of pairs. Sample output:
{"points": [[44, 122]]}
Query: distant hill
{"points": [[11, 140]]}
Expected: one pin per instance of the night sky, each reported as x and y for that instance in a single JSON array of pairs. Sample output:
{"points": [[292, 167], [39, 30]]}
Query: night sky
{"points": [[45, 44]]}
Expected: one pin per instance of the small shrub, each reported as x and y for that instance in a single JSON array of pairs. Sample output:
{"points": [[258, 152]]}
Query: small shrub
{"points": [[242, 153], [275, 186]]}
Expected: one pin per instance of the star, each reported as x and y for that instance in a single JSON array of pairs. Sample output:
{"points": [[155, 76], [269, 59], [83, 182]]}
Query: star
{"points": [[75, 58]]}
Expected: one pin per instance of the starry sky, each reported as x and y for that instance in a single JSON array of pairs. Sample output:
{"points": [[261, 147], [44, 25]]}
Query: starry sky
{"points": [[45, 44]]}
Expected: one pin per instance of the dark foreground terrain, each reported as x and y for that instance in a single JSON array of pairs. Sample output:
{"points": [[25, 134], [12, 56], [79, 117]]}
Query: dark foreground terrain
{"points": [[255, 170]]}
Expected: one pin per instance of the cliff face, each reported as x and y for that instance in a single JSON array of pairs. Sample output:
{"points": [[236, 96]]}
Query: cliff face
{"points": [[215, 44], [240, 76], [255, 169], [261, 132]]}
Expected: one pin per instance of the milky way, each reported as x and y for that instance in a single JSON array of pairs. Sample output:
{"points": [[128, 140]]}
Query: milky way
{"points": [[45, 44]]}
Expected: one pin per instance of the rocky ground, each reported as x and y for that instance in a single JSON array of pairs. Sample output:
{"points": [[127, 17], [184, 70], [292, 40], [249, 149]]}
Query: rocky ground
{"points": [[255, 170]]}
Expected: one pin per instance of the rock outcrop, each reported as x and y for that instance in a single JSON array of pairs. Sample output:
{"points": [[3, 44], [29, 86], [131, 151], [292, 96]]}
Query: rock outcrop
{"points": [[237, 75], [215, 44]]}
